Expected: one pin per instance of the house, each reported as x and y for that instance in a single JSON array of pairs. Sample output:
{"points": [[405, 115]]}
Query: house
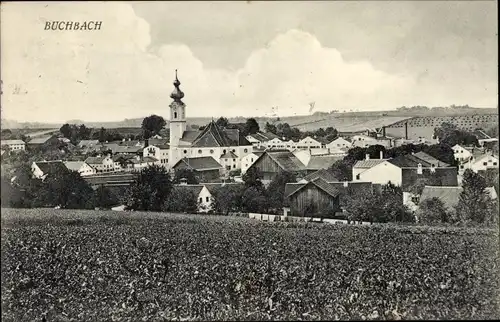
{"points": [[13, 145], [43, 142], [309, 142], [481, 161], [230, 161], [203, 195], [249, 159], [363, 141], [338, 143], [159, 151], [270, 163], [111, 179], [450, 196], [404, 170], [461, 154], [319, 198], [260, 138], [42, 169], [87, 143], [206, 169], [483, 138], [102, 163], [81, 167]]}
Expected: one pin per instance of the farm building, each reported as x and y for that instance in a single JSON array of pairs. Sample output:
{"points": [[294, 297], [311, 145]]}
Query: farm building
{"points": [[102, 163], [449, 195], [249, 159], [81, 167], [157, 151], [480, 161], [270, 163], [203, 195], [206, 169], [13, 145], [43, 142], [324, 174], [320, 198], [42, 169]]}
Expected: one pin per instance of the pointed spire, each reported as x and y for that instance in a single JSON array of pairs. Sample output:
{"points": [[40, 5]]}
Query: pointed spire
{"points": [[177, 94]]}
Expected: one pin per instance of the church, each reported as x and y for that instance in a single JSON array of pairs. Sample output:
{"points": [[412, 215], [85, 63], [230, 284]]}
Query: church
{"points": [[226, 146]]}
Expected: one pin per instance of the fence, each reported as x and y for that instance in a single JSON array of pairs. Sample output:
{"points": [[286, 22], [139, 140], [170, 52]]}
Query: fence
{"points": [[272, 218]]}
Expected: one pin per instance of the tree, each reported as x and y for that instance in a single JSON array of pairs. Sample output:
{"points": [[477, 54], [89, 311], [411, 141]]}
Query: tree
{"points": [[66, 130], [432, 211], [67, 190], [473, 202], [227, 198], [181, 200], [450, 135], [152, 125], [187, 174], [102, 135], [253, 178], [105, 198], [150, 190], [254, 200], [341, 171], [276, 189], [271, 128], [222, 122], [251, 126]]}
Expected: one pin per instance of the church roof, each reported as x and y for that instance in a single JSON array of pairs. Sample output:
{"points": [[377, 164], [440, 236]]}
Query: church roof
{"points": [[213, 136], [198, 164]]}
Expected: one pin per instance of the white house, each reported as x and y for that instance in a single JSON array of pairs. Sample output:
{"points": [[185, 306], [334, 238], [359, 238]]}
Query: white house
{"points": [[13, 145], [339, 143], [248, 160], [230, 161], [461, 154], [42, 169], [203, 196], [81, 167], [101, 163], [483, 137], [480, 162], [309, 142], [159, 152], [363, 141], [260, 138]]}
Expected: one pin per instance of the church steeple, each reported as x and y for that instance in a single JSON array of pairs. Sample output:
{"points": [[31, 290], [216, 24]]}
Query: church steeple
{"points": [[177, 94]]}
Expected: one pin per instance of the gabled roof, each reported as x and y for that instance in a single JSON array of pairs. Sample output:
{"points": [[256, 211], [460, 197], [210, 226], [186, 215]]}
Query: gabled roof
{"points": [[317, 162], [51, 167], [448, 195], [149, 159], [127, 149], [430, 159], [324, 174], [318, 182], [199, 163], [214, 136], [131, 143], [159, 146], [229, 155], [214, 186], [285, 160], [157, 142], [481, 135], [74, 165], [194, 188], [367, 164], [83, 143], [263, 136]]}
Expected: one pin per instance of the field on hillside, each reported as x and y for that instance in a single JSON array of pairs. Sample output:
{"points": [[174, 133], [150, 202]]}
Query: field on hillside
{"points": [[105, 266]]}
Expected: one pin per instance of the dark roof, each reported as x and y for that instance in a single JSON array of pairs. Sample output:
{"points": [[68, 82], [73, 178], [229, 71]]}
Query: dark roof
{"points": [[112, 178], [51, 167], [95, 160], [430, 159], [367, 164], [39, 140], [326, 175], [190, 136], [317, 162], [132, 143], [408, 161], [198, 164], [448, 195], [194, 188], [213, 186], [285, 160], [264, 136], [318, 182], [83, 143], [212, 136], [157, 142]]}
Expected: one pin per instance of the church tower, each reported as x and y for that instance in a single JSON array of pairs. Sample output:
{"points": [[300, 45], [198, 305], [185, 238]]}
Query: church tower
{"points": [[177, 115]]}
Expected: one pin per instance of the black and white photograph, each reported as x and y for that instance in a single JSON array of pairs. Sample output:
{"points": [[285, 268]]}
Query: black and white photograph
{"points": [[249, 161]]}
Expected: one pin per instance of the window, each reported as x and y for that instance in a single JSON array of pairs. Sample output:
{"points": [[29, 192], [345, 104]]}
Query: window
{"points": [[201, 200], [234, 160], [185, 151], [246, 150], [485, 163], [211, 151], [224, 152], [462, 166], [251, 159], [175, 115], [357, 177], [207, 199], [234, 150], [199, 151], [494, 163], [234, 166]]}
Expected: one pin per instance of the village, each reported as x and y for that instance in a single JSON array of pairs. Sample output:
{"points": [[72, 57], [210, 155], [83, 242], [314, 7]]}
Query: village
{"points": [[320, 172]]}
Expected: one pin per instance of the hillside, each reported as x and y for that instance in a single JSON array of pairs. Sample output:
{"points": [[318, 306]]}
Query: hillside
{"points": [[304, 122]]}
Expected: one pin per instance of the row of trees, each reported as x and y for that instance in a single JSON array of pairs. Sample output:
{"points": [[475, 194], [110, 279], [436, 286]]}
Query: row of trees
{"points": [[293, 133], [251, 126], [449, 134]]}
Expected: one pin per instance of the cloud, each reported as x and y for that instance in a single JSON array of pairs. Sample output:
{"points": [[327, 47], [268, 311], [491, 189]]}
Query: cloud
{"points": [[113, 73]]}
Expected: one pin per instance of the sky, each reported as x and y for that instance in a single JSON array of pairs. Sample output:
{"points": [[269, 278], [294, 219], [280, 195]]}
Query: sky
{"points": [[245, 58]]}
